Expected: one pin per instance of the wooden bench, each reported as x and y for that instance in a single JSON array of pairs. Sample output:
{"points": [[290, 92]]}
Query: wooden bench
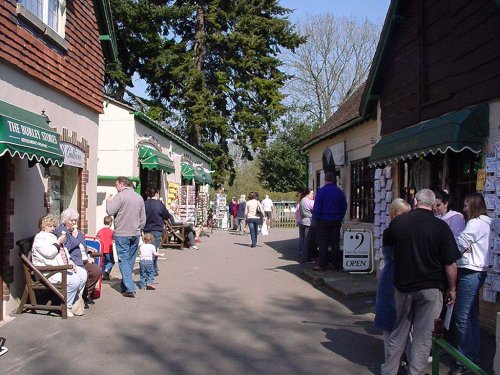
{"points": [[173, 236], [39, 293]]}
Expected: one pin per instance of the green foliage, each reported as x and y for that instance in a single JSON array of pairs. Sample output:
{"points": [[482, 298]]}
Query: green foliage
{"points": [[213, 65], [247, 180], [283, 166]]}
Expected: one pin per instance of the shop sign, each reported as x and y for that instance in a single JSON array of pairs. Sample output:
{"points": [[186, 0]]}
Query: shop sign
{"points": [[338, 152], [357, 250], [73, 156]]}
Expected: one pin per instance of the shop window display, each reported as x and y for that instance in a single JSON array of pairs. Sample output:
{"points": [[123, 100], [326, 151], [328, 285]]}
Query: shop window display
{"points": [[64, 187], [361, 205]]}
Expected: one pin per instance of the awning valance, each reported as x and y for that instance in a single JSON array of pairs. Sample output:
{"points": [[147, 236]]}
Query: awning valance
{"points": [[456, 131], [187, 171], [151, 158], [27, 134]]}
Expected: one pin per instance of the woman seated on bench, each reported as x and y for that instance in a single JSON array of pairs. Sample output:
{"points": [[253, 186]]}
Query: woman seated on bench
{"points": [[189, 232], [48, 250], [75, 243]]}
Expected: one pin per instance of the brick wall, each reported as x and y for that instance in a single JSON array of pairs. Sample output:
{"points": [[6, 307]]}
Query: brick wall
{"points": [[77, 72]]}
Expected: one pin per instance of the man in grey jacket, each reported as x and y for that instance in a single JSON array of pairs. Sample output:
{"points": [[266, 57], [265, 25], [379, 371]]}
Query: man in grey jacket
{"points": [[127, 207]]}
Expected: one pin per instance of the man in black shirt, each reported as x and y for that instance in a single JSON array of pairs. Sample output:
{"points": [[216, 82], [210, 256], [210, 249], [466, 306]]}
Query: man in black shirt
{"points": [[425, 252]]}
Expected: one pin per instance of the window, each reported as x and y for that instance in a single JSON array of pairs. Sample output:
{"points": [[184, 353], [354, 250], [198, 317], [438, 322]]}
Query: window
{"points": [[49, 11], [361, 206]]}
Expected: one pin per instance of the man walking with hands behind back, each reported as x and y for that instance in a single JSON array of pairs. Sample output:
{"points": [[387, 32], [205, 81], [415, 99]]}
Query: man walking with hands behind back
{"points": [[425, 252], [128, 209]]}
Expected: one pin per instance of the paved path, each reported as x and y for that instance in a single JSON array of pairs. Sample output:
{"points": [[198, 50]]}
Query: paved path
{"points": [[224, 309]]}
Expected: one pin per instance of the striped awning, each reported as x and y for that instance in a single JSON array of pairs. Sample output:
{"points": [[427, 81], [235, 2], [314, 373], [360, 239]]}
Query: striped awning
{"points": [[153, 159]]}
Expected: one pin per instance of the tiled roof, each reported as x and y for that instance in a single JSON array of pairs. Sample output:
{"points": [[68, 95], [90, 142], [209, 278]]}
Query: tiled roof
{"points": [[345, 113]]}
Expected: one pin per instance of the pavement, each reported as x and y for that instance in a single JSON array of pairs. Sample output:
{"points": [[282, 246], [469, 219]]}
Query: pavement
{"points": [[225, 307]]}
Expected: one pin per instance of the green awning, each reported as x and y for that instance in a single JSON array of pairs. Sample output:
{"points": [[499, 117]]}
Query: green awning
{"points": [[204, 177], [199, 175], [151, 158], [27, 134], [466, 129], [187, 171]]}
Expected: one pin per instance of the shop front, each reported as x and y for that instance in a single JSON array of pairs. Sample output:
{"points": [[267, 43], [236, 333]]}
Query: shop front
{"points": [[150, 155], [442, 153]]}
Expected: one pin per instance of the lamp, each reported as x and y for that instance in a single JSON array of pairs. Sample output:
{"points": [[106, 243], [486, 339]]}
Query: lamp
{"points": [[47, 120]]}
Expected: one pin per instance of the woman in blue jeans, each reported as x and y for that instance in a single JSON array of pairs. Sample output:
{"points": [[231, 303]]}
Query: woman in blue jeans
{"points": [[254, 214], [473, 243]]}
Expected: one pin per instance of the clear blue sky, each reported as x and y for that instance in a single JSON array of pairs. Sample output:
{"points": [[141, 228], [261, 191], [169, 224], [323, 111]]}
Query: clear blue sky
{"points": [[374, 10]]}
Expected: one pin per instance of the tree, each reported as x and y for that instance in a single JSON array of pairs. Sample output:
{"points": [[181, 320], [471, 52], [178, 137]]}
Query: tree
{"points": [[332, 64], [283, 166], [212, 65]]}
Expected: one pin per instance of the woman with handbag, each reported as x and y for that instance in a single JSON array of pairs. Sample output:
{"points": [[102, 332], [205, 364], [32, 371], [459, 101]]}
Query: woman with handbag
{"points": [[254, 214], [473, 243]]}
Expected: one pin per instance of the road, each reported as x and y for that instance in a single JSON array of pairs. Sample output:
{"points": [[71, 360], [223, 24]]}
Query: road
{"points": [[224, 309]]}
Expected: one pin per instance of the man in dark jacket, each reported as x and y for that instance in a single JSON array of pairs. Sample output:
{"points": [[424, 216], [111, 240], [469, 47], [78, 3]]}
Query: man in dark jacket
{"points": [[156, 214], [329, 209]]}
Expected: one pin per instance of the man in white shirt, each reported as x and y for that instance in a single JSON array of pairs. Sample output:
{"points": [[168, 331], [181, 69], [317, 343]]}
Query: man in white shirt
{"points": [[267, 205]]}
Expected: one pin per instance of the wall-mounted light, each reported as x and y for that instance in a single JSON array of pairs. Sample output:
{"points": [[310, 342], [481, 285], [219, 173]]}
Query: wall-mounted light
{"points": [[47, 120]]}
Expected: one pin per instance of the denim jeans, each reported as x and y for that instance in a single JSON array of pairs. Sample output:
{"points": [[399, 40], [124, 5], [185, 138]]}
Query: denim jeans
{"points": [[301, 240], [108, 262], [253, 225], [157, 240], [147, 273], [126, 247], [328, 233], [467, 312]]}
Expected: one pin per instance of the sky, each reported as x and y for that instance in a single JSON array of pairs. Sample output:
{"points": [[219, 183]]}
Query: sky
{"points": [[374, 10]]}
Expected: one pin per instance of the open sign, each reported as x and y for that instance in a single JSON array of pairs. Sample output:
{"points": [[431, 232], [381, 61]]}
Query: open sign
{"points": [[358, 250]]}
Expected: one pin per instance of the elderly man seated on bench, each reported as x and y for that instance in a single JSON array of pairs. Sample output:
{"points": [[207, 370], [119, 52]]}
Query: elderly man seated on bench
{"points": [[189, 230], [48, 250]]}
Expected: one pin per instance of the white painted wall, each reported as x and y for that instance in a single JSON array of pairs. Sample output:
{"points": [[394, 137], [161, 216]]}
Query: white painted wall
{"points": [[358, 146]]}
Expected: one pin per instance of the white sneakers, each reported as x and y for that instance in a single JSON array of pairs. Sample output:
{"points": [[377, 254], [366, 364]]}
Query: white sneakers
{"points": [[195, 247], [70, 313]]}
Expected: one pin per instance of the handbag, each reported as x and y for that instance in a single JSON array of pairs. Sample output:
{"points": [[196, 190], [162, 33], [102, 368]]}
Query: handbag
{"points": [[78, 307]]}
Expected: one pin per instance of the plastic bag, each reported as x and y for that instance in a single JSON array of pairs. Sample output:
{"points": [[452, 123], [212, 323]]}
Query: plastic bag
{"points": [[264, 230]]}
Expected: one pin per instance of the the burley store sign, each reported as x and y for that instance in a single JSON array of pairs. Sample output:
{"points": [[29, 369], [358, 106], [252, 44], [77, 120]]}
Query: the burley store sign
{"points": [[73, 155], [27, 134]]}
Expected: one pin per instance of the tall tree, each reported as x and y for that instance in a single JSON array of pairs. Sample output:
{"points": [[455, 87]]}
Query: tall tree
{"points": [[282, 165], [213, 65], [332, 64]]}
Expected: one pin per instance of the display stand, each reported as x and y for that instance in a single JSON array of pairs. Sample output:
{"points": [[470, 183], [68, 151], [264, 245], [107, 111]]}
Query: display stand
{"points": [[202, 208], [221, 211], [187, 204]]}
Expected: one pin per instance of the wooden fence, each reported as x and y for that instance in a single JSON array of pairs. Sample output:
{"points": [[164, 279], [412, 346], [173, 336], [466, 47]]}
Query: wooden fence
{"points": [[284, 214]]}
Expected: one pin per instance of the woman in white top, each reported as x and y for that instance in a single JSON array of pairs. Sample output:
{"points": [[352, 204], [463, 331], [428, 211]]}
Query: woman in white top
{"points": [[473, 243], [254, 214], [48, 250]]}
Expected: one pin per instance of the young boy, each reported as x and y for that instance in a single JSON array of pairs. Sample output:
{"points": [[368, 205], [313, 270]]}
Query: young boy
{"points": [[106, 236], [147, 250]]}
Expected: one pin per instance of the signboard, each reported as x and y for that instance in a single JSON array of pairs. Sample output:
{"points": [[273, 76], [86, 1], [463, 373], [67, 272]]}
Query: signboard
{"points": [[338, 151], [358, 250], [73, 156]]}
